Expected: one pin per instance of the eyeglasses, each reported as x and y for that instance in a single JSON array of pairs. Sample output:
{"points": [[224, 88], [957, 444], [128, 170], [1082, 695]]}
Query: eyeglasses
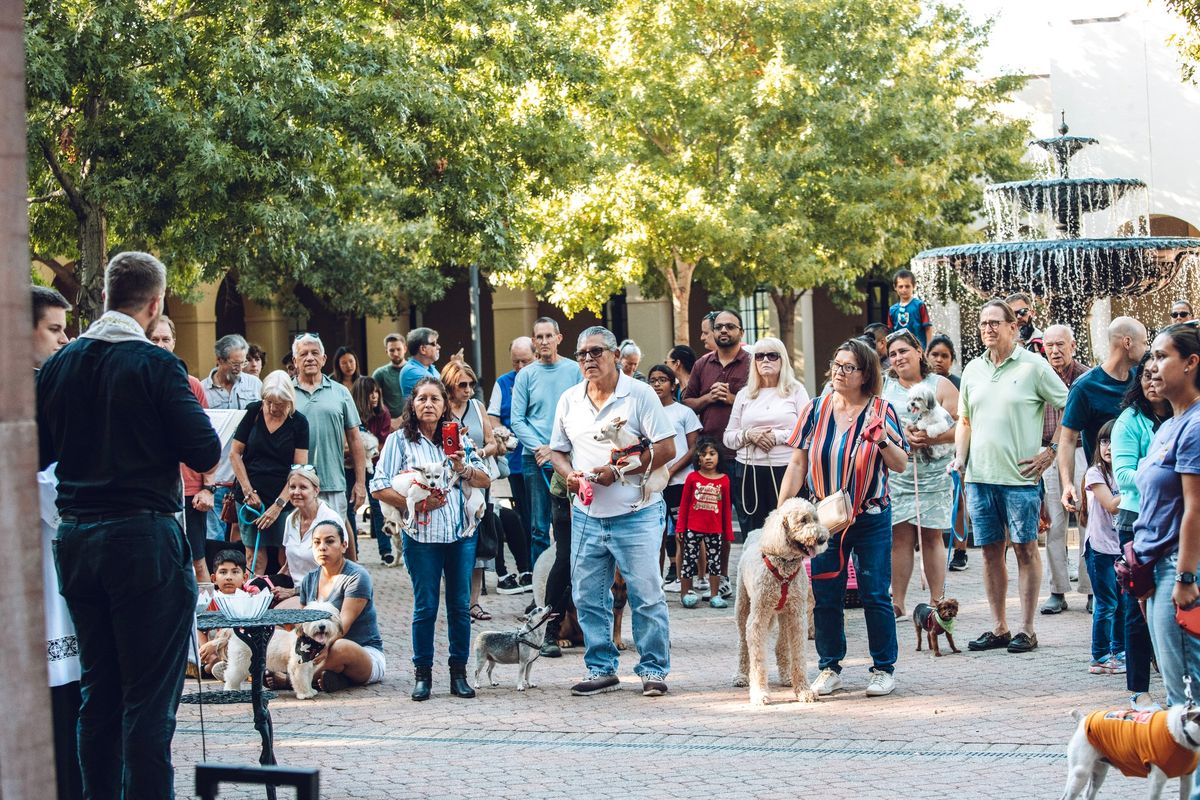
{"points": [[766, 356], [303, 468], [431, 344], [593, 353], [1180, 314], [660, 381], [844, 369], [466, 385], [727, 326], [1021, 313], [990, 324]]}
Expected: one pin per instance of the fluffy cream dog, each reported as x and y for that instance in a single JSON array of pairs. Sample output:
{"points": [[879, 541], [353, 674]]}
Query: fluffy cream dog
{"points": [[288, 651], [773, 588]]}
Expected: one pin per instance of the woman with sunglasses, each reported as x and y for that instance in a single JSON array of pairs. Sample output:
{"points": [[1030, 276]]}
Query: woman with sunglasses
{"points": [[764, 414], [1181, 311], [304, 493], [848, 441], [473, 424], [922, 495]]}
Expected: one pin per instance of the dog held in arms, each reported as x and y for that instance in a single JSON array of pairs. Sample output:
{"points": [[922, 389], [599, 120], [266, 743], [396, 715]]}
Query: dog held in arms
{"points": [[418, 483], [522, 646], [932, 419], [627, 453], [291, 652], [1154, 744], [773, 591]]}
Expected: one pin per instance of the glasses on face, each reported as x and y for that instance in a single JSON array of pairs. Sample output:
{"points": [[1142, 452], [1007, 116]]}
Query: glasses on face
{"points": [[431, 344], [466, 384], [1021, 313], [766, 357], [659, 381], [727, 326], [843, 369], [1180, 314], [990, 324], [593, 353]]}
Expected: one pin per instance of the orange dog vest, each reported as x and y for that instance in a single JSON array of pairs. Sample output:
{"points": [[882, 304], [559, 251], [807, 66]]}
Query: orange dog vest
{"points": [[1132, 741]]}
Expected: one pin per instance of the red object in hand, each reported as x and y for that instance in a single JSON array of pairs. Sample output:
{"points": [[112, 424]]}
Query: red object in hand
{"points": [[585, 491], [1189, 619], [450, 439], [871, 433]]}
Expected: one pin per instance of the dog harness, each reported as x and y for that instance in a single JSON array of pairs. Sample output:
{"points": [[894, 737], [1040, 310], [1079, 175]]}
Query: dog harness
{"points": [[617, 456], [422, 517], [784, 583], [1132, 741]]}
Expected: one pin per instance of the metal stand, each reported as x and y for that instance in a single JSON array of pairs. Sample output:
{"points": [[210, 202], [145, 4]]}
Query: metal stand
{"points": [[209, 778]]}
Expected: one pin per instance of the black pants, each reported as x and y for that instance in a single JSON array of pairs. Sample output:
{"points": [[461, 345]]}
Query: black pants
{"points": [[64, 711], [1138, 647], [672, 496], [516, 535], [131, 591], [755, 494], [730, 467], [558, 584]]}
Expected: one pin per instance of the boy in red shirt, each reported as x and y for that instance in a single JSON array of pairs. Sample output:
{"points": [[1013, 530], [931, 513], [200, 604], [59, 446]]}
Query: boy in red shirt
{"points": [[705, 516]]}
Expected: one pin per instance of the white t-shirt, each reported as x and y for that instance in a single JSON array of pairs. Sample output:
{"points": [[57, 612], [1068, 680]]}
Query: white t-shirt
{"points": [[300, 558], [684, 421], [576, 423]]}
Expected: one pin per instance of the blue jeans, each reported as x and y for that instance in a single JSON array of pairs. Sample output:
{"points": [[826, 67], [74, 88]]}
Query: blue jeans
{"points": [[133, 629], [536, 483], [1108, 621], [426, 564], [382, 539], [1177, 651], [628, 542], [218, 531], [870, 537]]}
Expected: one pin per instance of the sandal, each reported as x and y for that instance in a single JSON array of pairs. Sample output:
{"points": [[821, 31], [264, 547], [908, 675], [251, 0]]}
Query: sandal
{"points": [[331, 682], [274, 682], [477, 613]]}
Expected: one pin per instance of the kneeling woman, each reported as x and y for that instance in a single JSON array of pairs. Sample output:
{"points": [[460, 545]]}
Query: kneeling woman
{"points": [[356, 657], [442, 543]]}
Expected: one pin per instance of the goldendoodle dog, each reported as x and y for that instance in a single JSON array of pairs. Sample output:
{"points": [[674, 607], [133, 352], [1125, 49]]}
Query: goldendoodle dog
{"points": [[773, 589]]}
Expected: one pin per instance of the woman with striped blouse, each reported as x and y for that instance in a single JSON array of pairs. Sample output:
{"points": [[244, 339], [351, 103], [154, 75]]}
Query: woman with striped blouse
{"points": [[442, 543], [838, 449]]}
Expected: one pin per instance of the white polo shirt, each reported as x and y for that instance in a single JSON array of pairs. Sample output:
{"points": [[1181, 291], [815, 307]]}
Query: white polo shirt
{"points": [[576, 423]]}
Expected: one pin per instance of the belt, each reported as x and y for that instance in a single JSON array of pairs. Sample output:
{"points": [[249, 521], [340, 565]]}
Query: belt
{"points": [[111, 516]]}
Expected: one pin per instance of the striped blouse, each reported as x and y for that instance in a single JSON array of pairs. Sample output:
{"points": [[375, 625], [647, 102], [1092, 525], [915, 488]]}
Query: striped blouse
{"points": [[829, 455]]}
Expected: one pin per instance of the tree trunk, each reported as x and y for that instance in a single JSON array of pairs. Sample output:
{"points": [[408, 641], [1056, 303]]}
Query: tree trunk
{"points": [[785, 307], [679, 278], [93, 259]]}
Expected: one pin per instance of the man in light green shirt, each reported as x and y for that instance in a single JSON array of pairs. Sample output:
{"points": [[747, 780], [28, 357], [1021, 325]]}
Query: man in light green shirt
{"points": [[388, 376], [1002, 401]]}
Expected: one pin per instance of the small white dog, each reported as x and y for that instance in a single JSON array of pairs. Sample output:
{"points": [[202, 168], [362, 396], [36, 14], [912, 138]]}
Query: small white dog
{"points": [[932, 419], [773, 589], [505, 437], [625, 447], [414, 484], [1154, 744], [288, 651]]}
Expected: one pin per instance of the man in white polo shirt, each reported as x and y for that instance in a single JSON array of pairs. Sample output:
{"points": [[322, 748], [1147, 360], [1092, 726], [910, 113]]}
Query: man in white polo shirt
{"points": [[618, 529]]}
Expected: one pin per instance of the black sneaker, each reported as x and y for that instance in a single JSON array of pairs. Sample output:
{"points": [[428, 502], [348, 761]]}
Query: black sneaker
{"points": [[671, 576], [388, 559], [509, 584], [526, 581], [596, 683], [959, 562]]}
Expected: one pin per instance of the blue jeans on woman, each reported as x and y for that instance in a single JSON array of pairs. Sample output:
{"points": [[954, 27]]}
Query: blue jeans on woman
{"points": [[630, 543], [1108, 623], [870, 538], [426, 564]]}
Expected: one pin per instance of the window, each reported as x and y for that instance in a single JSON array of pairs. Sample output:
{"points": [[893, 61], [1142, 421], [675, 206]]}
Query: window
{"points": [[756, 315], [879, 295]]}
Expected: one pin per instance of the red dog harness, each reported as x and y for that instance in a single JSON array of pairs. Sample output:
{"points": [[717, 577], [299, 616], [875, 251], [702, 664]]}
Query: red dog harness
{"points": [[617, 456], [434, 493], [784, 583]]}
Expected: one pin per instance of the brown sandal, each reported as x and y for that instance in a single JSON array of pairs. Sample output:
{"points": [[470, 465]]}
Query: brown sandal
{"points": [[477, 613]]}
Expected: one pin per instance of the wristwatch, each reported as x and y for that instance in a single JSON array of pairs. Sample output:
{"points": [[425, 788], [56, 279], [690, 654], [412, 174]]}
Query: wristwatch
{"points": [[279, 502], [1185, 577], [1053, 446], [208, 487], [884, 443]]}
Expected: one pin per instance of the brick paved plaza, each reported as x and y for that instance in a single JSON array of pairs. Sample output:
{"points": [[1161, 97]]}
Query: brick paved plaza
{"points": [[971, 725]]}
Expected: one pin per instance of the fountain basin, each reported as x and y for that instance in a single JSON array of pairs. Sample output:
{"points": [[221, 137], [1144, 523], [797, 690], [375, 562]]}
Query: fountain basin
{"points": [[1079, 268], [1065, 197]]}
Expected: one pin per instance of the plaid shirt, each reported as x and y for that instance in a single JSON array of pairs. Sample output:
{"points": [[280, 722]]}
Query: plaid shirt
{"points": [[1054, 415], [442, 525]]}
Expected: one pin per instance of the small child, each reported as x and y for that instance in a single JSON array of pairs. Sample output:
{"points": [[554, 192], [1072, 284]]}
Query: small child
{"points": [[228, 575], [1101, 550], [705, 515], [911, 312]]}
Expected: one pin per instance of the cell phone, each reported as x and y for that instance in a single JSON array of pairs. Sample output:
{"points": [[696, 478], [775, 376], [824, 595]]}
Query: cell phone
{"points": [[451, 443]]}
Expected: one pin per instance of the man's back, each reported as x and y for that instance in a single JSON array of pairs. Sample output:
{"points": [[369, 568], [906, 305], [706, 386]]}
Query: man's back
{"points": [[119, 417]]}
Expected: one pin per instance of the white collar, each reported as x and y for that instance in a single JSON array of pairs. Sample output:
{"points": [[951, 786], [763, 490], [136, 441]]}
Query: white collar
{"points": [[114, 326]]}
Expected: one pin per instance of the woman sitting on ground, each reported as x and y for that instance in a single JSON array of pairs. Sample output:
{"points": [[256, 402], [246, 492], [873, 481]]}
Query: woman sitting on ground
{"points": [[355, 658]]}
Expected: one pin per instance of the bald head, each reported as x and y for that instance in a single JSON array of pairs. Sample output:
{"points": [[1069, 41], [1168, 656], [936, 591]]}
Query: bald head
{"points": [[1127, 339], [521, 352]]}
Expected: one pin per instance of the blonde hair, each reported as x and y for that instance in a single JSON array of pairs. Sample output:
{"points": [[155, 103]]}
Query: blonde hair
{"points": [[455, 371], [787, 376], [278, 386]]}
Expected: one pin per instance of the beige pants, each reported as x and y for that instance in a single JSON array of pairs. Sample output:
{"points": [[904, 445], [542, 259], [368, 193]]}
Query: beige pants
{"points": [[1056, 537]]}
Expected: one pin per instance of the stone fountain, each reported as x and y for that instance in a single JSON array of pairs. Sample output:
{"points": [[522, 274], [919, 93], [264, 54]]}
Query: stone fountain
{"points": [[1041, 243]]}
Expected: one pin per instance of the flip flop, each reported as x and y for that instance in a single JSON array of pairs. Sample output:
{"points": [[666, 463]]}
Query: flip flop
{"points": [[477, 613]]}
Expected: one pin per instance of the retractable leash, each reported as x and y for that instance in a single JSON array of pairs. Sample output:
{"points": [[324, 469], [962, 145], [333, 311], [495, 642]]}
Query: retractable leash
{"points": [[955, 534], [244, 511]]}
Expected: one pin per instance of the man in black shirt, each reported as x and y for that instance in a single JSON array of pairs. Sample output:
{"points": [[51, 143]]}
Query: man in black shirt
{"points": [[117, 415]]}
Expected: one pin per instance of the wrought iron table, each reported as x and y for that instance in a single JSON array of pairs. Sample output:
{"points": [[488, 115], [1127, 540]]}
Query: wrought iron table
{"points": [[256, 633]]}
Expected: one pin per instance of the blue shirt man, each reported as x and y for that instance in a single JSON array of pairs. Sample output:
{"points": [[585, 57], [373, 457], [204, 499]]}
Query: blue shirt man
{"points": [[500, 412], [423, 352]]}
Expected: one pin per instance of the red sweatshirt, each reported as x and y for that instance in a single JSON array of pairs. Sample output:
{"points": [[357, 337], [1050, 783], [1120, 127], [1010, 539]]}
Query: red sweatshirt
{"points": [[706, 507]]}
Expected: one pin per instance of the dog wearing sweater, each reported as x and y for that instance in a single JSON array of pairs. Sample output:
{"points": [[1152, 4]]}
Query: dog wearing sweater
{"points": [[1145, 744]]}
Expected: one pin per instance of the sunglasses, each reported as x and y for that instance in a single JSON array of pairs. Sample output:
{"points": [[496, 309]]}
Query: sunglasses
{"points": [[303, 468], [727, 326], [466, 385], [306, 335], [906, 335], [593, 353], [766, 356], [1180, 314], [1022, 313]]}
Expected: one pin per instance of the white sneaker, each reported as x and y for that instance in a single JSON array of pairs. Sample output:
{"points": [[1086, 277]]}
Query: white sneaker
{"points": [[726, 588], [673, 586], [881, 683], [827, 683]]}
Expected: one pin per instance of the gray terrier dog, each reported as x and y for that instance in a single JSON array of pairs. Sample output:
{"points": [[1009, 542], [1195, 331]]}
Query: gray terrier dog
{"points": [[521, 646]]}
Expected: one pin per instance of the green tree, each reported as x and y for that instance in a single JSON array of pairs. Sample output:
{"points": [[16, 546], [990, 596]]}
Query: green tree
{"points": [[1189, 41]]}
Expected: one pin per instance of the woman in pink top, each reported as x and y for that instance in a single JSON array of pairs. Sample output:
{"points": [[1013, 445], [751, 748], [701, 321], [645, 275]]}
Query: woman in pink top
{"points": [[764, 414]]}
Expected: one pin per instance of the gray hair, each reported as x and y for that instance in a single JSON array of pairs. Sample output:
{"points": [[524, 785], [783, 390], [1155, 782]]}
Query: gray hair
{"points": [[606, 336], [1070, 333], [278, 386], [227, 344], [307, 337], [132, 280], [629, 348], [418, 337], [521, 342], [546, 321]]}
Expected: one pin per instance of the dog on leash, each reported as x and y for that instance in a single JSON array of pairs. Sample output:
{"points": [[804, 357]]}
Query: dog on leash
{"points": [[932, 419], [522, 646], [291, 652], [627, 454], [569, 633], [773, 590], [1154, 744], [932, 621]]}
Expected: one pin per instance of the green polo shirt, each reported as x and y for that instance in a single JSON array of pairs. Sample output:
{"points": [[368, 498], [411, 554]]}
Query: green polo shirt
{"points": [[1005, 405], [330, 412], [388, 378]]}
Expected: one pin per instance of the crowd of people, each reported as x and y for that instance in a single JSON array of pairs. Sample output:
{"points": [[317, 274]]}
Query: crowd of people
{"points": [[238, 477]]}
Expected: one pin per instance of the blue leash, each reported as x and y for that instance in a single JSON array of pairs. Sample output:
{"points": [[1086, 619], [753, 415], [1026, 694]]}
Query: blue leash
{"points": [[955, 534], [247, 521]]}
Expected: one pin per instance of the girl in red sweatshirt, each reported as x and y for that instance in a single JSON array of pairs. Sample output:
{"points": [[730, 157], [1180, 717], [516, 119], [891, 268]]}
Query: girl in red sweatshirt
{"points": [[705, 516]]}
